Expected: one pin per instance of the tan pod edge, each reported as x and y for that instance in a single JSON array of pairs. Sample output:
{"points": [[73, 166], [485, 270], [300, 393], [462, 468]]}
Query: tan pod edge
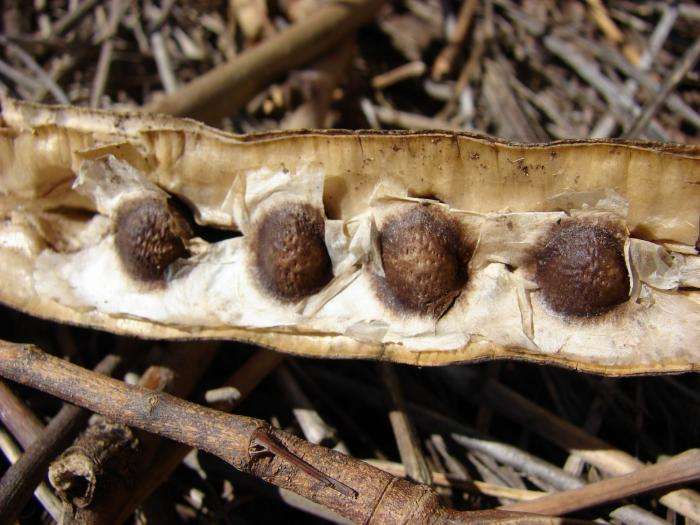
{"points": [[496, 209]]}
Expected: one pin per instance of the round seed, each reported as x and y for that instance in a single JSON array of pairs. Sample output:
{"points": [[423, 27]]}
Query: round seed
{"points": [[424, 260], [581, 270], [149, 236], [290, 252]]}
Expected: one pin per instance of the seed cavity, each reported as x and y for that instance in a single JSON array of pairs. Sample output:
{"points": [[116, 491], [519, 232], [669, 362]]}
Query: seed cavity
{"points": [[581, 270], [149, 236], [290, 252], [425, 260]]}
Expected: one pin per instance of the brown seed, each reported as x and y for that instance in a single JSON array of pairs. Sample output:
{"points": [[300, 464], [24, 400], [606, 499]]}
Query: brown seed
{"points": [[424, 258], [581, 270], [149, 235], [290, 252]]}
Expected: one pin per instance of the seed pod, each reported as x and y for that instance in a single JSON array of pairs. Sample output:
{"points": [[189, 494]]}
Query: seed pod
{"points": [[580, 253], [149, 236]]}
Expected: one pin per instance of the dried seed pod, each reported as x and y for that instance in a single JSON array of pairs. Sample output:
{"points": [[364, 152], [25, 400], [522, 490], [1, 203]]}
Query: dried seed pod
{"points": [[290, 253], [507, 196], [581, 270], [424, 259], [149, 234]]}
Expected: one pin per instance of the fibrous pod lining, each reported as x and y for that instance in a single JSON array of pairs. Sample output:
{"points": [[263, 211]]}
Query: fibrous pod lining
{"points": [[290, 253], [424, 258], [581, 270]]}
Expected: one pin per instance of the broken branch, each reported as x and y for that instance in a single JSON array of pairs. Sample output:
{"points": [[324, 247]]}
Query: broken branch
{"points": [[20, 480], [381, 497]]}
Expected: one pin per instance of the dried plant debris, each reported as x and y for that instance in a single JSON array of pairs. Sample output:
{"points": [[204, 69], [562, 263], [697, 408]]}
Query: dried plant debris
{"points": [[522, 70], [426, 248]]}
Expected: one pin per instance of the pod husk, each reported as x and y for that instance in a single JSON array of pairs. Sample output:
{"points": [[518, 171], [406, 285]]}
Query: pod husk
{"points": [[42, 149]]}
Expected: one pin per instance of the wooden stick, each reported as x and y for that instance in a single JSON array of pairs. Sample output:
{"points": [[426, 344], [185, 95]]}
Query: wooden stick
{"points": [[507, 110], [593, 450], [448, 464], [506, 454], [574, 464], [249, 376], [43, 493], [674, 102], [404, 432], [606, 124], [165, 68], [590, 72], [679, 470], [319, 79], [19, 420], [47, 83], [19, 78], [170, 455], [226, 88], [122, 500], [444, 61], [472, 487], [72, 18], [180, 366], [312, 425], [611, 31], [104, 64], [380, 498], [605, 23], [522, 461], [101, 454], [404, 119], [316, 391], [20, 480], [398, 74], [689, 59]]}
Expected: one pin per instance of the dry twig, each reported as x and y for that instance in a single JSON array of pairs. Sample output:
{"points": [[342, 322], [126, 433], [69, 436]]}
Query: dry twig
{"points": [[472, 487], [404, 432], [99, 471], [686, 64], [224, 89], [350, 487], [445, 60], [120, 504], [592, 449], [533, 467], [19, 420], [42, 493], [20, 480], [679, 470]]}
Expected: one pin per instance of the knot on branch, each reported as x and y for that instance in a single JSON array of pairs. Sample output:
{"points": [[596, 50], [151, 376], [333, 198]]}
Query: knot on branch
{"points": [[404, 501]]}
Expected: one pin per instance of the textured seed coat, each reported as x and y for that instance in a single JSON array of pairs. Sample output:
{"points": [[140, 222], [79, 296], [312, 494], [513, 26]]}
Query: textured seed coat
{"points": [[424, 259], [581, 270], [290, 252], [149, 237]]}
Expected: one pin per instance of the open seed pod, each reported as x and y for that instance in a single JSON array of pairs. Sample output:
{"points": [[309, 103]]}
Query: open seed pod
{"points": [[423, 248]]}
